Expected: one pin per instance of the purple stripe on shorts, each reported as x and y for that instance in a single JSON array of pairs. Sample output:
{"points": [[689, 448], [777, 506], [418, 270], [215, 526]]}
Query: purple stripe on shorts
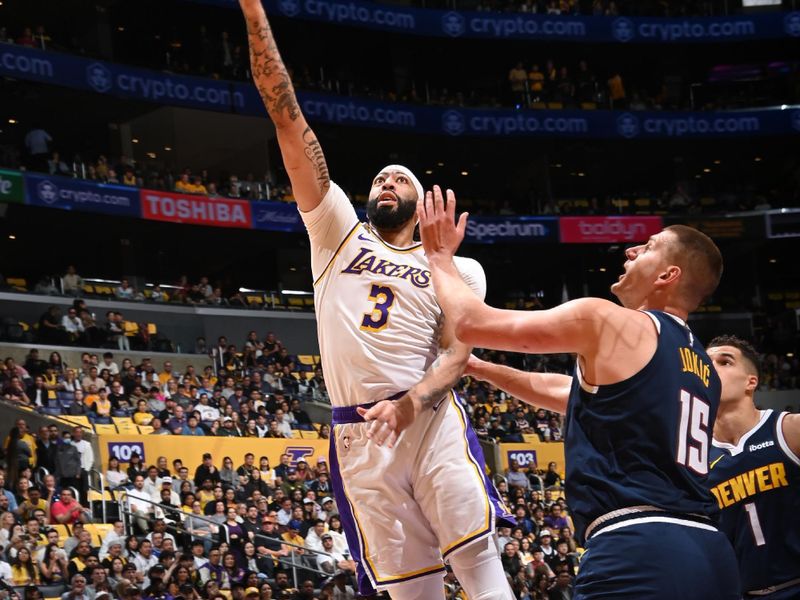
{"points": [[502, 516], [349, 525]]}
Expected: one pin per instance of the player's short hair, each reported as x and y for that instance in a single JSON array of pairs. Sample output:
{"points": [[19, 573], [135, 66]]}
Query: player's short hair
{"points": [[746, 348], [700, 260]]}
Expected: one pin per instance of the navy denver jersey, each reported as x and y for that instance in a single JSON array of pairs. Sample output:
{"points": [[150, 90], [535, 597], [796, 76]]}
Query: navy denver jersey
{"points": [[757, 486], [644, 441]]}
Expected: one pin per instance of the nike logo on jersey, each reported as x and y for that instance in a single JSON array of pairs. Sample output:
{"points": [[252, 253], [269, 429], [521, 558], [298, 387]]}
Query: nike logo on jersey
{"points": [[715, 461], [750, 483], [365, 239]]}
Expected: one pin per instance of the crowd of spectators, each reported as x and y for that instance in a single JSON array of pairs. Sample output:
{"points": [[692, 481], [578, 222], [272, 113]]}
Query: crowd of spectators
{"points": [[229, 522], [41, 156], [229, 531], [255, 390]]}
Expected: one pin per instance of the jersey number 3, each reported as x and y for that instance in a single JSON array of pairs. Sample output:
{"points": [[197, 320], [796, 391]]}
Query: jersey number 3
{"points": [[383, 297], [693, 434]]}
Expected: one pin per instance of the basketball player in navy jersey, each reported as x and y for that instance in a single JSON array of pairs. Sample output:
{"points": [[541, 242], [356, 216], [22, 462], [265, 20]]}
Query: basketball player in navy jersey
{"points": [[755, 476], [640, 414]]}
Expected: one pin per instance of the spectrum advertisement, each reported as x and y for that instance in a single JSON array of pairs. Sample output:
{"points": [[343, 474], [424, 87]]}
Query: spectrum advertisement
{"points": [[242, 98]]}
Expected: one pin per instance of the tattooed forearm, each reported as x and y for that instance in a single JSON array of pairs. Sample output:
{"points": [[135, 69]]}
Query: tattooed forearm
{"points": [[269, 73], [439, 379], [314, 153], [301, 151]]}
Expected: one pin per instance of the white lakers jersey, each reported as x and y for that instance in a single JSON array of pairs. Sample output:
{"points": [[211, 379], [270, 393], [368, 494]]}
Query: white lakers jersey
{"points": [[377, 316]]}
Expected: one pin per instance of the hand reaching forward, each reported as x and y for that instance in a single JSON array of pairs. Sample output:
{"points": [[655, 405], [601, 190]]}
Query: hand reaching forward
{"points": [[388, 419], [441, 235]]}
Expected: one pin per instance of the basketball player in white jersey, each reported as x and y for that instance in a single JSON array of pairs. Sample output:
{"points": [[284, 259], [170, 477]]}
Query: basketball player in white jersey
{"points": [[422, 498]]}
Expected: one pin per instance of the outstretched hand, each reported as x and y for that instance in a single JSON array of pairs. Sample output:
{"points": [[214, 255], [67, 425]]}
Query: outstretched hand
{"points": [[441, 235], [389, 418]]}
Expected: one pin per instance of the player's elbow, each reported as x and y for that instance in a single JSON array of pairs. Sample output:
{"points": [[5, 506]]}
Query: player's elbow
{"points": [[465, 328]]}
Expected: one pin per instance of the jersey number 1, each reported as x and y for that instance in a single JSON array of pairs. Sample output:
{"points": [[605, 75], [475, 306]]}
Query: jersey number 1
{"points": [[693, 433], [755, 524], [383, 297]]}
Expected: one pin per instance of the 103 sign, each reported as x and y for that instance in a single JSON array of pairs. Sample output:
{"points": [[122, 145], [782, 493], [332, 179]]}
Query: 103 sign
{"points": [[123, 451], [524, 458]]}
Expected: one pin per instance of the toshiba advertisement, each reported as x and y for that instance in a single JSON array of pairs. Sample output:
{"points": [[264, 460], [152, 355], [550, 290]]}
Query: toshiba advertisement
{"points": [[195, 210]]}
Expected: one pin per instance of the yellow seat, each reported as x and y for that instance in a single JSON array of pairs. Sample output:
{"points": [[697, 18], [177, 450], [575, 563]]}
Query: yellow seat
{"points": [[308, 435], [294, 302], [93, 495], [63, 532], [98, 531], [97, 541], [555, 105], [125, 424], [145, 429], [131, 329], [308, 301], [254, 300], [306, 359], [152, 329], [18, 283], [309, 375], [297, 434], [78, 420], [88, 288], [103, 290], [296, 375], [588, 105], [105, 428]]}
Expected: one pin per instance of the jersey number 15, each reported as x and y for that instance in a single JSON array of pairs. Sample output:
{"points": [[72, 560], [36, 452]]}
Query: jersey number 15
{"points": [[693, 433]]}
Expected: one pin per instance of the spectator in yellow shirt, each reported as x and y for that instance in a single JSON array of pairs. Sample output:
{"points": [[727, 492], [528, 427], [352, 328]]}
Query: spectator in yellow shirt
{"points": [[23, 570], [616, 91], [536, 83], [142, 416], [183, 185], [517, 77]]}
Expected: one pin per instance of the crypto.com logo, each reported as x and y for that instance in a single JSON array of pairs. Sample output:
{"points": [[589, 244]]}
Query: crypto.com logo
{"points": [[622, 29], [453, 122], [99, 77], [48, 192], [791, 24], [627, 125], [290, 8], [453, 24]]}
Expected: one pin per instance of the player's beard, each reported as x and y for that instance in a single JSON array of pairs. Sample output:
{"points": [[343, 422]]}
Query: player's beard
{"points": [[391, 218]]}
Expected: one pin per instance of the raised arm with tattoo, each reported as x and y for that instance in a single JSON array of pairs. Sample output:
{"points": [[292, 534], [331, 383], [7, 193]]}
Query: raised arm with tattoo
{"points": [[302, 154], [542, 390]]}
